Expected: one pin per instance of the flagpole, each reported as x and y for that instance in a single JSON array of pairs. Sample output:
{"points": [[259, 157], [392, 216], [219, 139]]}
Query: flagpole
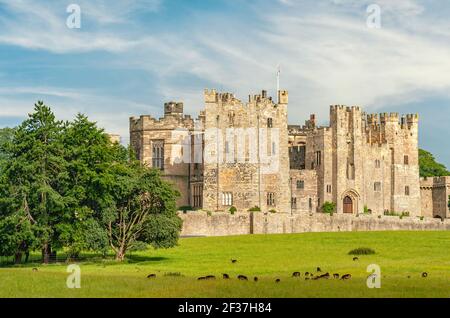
{"points": [[278, 83]]}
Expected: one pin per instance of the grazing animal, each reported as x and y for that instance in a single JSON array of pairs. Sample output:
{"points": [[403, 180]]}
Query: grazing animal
{"points": [[209, 277], [201, 278], [255, 279], [306, 278], [277, 280], [233, 261], [242, 277], [409, 276], [318, 269], [35, 269], [346, 276], [296, 274], [424, 274], [336, 276], [151, 276], [307, 274], [326, 275], [355, 258], [225, 276]]}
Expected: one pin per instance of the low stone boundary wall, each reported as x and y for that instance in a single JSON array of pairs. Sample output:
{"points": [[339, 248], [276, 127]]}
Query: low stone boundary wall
{"points": [[201, 223]]}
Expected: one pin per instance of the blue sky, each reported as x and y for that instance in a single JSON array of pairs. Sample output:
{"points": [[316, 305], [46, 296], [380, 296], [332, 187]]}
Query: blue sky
{"points": [[131, 56]]}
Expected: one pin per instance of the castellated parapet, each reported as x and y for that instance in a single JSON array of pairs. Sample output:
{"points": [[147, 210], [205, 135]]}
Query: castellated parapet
{"points": [[361, 162]]}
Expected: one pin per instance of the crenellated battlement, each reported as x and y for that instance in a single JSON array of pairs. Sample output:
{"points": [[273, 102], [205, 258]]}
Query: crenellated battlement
{"points": [[170, 120], [212, 96]]}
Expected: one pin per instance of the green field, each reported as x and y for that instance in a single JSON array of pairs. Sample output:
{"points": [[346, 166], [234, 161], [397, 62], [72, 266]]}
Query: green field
{"points": [[402, 256]]}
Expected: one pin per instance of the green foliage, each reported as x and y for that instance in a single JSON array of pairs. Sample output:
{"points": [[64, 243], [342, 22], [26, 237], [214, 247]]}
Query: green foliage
{"points": [[429, 167], [255, 209], [273, 211], [6, 135], [394, 213], [65, 185], [361, 251], [233, 210], [367, 210], [328, 207], [186, 208]]}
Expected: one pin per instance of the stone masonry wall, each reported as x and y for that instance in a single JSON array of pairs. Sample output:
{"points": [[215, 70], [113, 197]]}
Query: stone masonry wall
{"points": [[223, 224]]}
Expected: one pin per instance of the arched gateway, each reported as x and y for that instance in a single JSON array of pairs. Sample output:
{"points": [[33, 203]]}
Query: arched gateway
{"points": [[348, 204]]}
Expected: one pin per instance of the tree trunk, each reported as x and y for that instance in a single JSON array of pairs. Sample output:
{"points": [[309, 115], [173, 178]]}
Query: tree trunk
{"points": [[120, 255], [27, 256], [46, 250], [18, 258]]}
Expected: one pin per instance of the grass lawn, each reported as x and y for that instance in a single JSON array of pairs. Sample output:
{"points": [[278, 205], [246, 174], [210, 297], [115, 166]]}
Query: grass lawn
{"points": [[399, 254]]}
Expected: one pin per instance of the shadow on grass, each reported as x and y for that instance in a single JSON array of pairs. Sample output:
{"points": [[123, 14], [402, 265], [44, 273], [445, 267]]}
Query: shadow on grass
{"points": [[91, 259]]}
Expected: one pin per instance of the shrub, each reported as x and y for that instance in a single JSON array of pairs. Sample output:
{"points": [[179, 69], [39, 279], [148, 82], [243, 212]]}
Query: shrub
{"points": [[255, 209], [328, 207], [233, 210], [185, 208], [273, 211], [362, 251], [209, 213], [367, 210]]}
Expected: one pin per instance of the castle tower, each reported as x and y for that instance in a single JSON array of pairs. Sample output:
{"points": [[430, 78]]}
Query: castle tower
{"points": [[157, 144], [246, 155]]}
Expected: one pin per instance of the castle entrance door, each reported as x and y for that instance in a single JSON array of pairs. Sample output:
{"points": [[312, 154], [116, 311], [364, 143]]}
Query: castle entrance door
{"points": [[348, 205]]}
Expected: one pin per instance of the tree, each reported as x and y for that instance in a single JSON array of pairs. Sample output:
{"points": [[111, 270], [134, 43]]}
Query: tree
{"points": [[6, 134], [143, 209], [89, 154], [429, 167], [65, 185], [33, 175]]}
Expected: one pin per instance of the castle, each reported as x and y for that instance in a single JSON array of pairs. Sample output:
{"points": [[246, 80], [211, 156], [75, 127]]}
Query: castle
{"points": [[245, 155]]}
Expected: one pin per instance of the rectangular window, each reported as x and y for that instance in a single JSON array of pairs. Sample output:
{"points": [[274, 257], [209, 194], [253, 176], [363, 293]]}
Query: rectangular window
{"points": [[271, 199], [329, 188], [294, 203], [198, 196], [350, 171], [406, 160], [310, 204], [377, 163], [300, 184], [377, 186], [407, 190], [227, 198], [158, 154], [318, 158], [269, 123]]}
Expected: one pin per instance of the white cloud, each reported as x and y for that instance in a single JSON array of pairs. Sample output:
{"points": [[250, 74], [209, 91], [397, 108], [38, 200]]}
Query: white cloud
{"points": [[327, 55]]}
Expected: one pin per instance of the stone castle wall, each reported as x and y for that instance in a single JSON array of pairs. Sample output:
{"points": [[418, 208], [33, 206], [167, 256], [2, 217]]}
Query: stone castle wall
{"points": [[223, 224], [435, 196], [358, 161]]}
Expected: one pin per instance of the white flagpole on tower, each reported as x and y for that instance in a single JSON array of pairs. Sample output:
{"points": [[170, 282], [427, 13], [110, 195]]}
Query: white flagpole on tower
{"points": [[278, 82]]}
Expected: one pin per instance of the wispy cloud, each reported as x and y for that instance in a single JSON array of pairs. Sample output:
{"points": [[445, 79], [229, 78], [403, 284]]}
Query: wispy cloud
{"points": [[326, 51]]}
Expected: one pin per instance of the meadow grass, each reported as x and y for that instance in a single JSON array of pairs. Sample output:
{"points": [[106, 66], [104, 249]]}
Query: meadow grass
{"points": [[402, 257]]}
